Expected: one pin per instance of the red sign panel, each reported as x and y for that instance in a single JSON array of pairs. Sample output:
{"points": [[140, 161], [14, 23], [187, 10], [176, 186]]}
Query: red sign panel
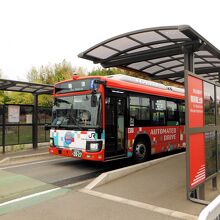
{"points": [[196, 140], [197, 159], [195, 102]]}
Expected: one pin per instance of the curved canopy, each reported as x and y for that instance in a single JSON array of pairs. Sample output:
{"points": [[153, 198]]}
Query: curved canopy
{"points": [[19, 86], [158, 52]]}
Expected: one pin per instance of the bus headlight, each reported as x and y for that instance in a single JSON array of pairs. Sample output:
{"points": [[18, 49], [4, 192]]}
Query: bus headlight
{"points": [[51, 142], [93, 146]]}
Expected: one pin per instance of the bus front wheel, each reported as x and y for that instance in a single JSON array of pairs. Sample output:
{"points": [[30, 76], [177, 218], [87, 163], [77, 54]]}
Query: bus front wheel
{"points": [[141, 152]]}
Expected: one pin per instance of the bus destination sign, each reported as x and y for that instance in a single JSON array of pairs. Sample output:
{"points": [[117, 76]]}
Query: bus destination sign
{"points": [[76, 86]]}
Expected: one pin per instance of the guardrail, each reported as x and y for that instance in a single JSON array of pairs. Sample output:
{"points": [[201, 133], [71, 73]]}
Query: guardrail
{"points": [[212, 211], [21, 131]]}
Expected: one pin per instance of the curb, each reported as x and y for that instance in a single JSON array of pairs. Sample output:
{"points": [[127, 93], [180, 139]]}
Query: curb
{"points": [[116, 174], [17, 158], [25, 147], [137, 204], [5, 160]]}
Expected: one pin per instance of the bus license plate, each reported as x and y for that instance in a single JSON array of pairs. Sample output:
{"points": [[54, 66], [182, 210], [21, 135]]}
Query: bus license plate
{"points": [[77, 153]]}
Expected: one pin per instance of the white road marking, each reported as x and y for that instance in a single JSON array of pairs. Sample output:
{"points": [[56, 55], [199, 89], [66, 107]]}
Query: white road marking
{"points": [[42, 193], [29, 196], [32, 163]]}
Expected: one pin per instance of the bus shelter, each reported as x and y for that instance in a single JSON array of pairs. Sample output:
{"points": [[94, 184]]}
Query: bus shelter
{"points": [[35, 89], [180, 55]]}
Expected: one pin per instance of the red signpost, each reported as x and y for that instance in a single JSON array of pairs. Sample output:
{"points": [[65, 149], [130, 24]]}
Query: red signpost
{"points": [[196, 140], [195, 102], [201, 135], [197, 159]]}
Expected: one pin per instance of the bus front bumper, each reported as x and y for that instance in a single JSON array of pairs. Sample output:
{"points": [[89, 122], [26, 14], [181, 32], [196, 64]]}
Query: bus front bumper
{"points": [[81, 154]]}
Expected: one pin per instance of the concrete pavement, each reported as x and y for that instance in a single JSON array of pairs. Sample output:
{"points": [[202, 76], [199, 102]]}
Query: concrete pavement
{"points": [[161, 185], [80, 206], [25, 155], [153, 192]]}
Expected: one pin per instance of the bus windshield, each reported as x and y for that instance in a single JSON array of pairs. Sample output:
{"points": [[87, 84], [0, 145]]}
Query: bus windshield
{"points": [[77, 111]]}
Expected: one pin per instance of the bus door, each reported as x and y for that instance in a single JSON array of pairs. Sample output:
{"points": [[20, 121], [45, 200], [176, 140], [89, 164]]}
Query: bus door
{"points": [[115, 109], [173, 139]]}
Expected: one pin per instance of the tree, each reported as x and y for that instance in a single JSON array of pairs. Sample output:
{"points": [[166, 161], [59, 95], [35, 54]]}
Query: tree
{"points": [[19, 98], [52, 74], [4, 98], [49, 74], [114, 70]]}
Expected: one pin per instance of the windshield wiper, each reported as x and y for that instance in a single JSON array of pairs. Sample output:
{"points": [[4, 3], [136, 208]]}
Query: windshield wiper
{"points": [[71, 127], [61, 126]]}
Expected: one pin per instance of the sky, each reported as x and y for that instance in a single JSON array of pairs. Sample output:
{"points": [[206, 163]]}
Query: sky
{"points": [[44, 32]]}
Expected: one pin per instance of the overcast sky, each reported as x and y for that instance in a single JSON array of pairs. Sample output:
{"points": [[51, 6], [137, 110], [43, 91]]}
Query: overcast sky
{"points": [[42, 32]]}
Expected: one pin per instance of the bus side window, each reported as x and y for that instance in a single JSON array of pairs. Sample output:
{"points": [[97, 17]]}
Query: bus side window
{"points": [[182, 113], [158, 112], [109, 111], [172, 116], [139, 110]]}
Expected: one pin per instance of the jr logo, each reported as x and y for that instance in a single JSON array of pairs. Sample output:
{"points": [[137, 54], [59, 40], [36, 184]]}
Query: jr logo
{"points": [[91, 135]]}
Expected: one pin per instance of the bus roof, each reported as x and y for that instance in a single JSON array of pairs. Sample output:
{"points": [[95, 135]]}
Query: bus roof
{"points": [[151, 88], [140, 88]]}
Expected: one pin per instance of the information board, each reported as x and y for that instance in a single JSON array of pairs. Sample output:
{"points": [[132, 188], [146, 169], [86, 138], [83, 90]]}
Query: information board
{"points": [[13, 113], [196, 141], [195, 102]]}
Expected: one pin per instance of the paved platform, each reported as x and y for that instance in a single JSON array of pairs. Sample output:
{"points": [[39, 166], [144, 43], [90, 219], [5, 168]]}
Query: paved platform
{"points": [[80, 206], [162, 185], [41, 148], [27, 155], [156, 192]]}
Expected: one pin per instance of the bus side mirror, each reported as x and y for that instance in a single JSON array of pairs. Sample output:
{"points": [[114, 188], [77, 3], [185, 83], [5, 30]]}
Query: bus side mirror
{"points": [[47, 127], [93, 100]]}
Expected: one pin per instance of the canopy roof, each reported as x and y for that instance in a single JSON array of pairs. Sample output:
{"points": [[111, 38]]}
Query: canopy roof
{"points": [[158, 52], [18, 86]]}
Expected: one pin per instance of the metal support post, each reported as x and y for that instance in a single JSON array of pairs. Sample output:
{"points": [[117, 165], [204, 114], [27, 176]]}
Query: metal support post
{"points": [[193, 194], [188, 66], [201, 192], [189, 61], [214, 179], [214, 183], [3, 129], [35, 123]]}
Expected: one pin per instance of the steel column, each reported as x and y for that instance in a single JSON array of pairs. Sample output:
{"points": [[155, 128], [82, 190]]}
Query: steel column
{"points": [[214, 183], [214, 179], [188, 66], [35, 122], [3, 129], [201, 191], [189, 61]]}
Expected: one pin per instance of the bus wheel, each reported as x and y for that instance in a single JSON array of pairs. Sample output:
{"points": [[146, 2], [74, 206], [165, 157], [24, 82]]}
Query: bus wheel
{"points": [[141, 152]]}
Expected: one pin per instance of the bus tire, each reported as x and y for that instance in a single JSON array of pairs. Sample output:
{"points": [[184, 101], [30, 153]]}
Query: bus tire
{"points": [[141, 151]]}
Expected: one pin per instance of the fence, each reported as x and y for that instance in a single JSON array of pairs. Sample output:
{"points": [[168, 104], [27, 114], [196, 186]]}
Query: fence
{"points": [[16, 124]]}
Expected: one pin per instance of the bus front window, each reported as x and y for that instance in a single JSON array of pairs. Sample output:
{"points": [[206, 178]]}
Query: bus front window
{"points": [[77, 111]]}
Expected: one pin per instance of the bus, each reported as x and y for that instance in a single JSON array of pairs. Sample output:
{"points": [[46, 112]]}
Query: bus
{"points": [[103, 118]]}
